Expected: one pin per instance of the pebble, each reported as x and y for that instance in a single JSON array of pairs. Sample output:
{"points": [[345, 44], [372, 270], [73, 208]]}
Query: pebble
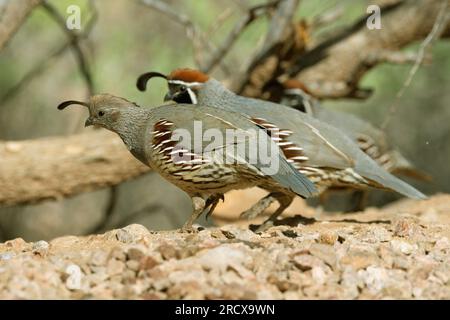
{"points": [[134, 264], [7, 255], [40, 247], [114, 267], [136, 253], [400, 246]]}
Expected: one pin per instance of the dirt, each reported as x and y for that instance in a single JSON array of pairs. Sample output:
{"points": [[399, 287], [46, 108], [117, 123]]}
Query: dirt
{"points": [[398, 252]]}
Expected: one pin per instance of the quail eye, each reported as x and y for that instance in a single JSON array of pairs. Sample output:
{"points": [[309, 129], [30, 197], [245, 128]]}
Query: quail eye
{"points": [[183, 88], [101, 113]]}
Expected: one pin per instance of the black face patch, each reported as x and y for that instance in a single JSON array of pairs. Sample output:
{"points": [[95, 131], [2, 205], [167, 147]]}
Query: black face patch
{"points": [[182, 97], [181, 93], [297, 102]]}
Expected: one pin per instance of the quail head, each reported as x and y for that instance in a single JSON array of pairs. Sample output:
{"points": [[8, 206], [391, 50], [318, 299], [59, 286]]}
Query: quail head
{"points": [[370, 139], [205, 167], [318, 150]]}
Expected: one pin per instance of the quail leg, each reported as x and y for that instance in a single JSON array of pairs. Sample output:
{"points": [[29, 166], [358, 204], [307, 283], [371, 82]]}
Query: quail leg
{"points": [[359, 198], [258, 207], [212, 202], [198, 204], [285, 201]]}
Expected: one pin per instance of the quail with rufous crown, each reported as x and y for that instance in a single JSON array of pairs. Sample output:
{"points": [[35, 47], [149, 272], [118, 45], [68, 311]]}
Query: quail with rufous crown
{"points": [[323, 153]]}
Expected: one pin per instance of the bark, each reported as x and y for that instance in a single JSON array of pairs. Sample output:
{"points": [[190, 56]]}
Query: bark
{"points": [[52, 168]]}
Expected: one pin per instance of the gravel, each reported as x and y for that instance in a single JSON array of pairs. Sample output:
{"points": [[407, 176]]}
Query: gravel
{"points": [[395, 253]]}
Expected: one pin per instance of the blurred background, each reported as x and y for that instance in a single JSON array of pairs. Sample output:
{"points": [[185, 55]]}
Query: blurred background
{"points": [[129, 38]]}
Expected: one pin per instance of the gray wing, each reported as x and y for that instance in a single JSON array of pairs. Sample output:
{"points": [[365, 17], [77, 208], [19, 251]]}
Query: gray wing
{"points": [[215, 121]]}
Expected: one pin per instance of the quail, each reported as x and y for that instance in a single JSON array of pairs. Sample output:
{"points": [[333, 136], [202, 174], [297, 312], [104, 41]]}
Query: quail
{"points": [[370, 139], [203, 170], [318, 150]]}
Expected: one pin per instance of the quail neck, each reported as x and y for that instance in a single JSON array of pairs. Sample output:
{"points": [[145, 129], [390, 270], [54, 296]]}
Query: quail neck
{"points": [[130, 127]]}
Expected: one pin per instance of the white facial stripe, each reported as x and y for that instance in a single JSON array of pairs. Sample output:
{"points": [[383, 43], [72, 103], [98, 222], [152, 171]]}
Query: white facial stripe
{"points": [[192, 96], [295, 91], [187, 84]]}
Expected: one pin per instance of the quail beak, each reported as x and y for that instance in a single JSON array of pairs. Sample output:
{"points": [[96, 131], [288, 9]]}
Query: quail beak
{"points": [[89, 122], [168, 96]]}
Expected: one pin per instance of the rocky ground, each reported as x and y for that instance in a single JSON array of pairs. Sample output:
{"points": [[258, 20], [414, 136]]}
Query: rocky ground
{"points": [[400, 252]]}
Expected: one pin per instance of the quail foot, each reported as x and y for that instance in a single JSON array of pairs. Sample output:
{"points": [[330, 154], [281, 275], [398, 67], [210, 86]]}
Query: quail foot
{"points": [[190, 147], [320, 151]]}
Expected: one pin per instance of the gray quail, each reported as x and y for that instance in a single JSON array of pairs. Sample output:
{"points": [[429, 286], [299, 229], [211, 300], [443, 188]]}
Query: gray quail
{"points": [[204, 173], [318, 150], [370, 139]]}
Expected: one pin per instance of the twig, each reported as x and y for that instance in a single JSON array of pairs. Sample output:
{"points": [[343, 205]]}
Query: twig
{"points": [[42, 65], [280, 22], [198, 38], [74, 41], [395, 57], [252, 14], [219, 22], [438, 28]]}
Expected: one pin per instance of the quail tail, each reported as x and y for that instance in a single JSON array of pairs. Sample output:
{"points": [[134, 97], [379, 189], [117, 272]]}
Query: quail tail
{"points": [[291, 178], [403, 167], [391, 182]]}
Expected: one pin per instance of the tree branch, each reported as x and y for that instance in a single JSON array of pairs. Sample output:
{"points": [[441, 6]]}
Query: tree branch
{"points": [[74, 41], [12, 16], [51, 168], [200, 42], [42, 65], [252, 14], [334, 68]]}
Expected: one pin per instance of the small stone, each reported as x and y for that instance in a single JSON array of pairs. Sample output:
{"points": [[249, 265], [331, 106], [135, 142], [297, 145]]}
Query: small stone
{"points": [[376, 234], [17, 244], [99, 258], [228, 234], [306, 262], [405, 227], [131, 233], [7, 255], [132, 265], [289, 233], [115, 267], [222, 257], [98, 277], [118, 254], [360, 258], [319, 275], [148, 263], [284, 285], [442, 244], [399, 246], [325, 252], [328, 237], [136, 253], [417, 292], [375, 278], [167, 251], [129, 276], [40, 247]]}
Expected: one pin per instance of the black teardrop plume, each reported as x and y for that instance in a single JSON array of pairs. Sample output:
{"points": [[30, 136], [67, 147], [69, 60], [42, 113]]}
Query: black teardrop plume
{"points": [[141, 83]]}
